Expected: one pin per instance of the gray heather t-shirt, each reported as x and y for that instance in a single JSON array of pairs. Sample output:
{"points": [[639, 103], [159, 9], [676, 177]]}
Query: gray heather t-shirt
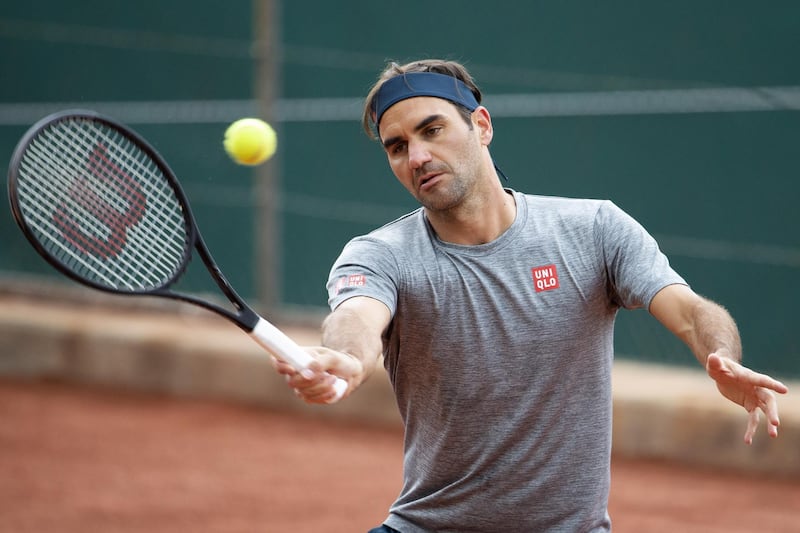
{"points": [[500, 358]]}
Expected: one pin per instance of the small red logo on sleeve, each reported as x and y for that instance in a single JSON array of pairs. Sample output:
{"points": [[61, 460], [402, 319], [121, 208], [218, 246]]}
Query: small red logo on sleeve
{"points": [[353, 280], [545, 278], [356, 280]]}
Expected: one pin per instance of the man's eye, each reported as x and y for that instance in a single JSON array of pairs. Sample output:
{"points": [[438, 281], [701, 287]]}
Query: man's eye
{"points": [[430, 132], [398, 148]]}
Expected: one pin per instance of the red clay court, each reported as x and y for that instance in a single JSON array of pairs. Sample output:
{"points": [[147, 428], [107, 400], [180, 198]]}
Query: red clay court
{"points": [[78, 459]]}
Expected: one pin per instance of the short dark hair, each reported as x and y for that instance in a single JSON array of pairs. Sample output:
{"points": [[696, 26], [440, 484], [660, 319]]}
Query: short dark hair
{"points": [[440, 66]]}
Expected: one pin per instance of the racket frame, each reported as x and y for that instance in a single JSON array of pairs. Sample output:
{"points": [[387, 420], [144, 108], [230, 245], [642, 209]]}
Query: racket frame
{"points": [[243, 316], [262, 331]]}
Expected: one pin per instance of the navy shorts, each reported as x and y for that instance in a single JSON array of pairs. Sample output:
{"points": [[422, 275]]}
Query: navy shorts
{"points": [[383, 529]]}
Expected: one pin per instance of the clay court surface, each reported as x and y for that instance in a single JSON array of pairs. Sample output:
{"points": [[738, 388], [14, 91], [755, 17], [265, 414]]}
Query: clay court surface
{"points": [[78, 459]]}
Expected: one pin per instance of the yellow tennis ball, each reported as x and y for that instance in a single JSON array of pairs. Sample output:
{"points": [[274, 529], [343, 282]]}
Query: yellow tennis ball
{"points": [[250, 141]]}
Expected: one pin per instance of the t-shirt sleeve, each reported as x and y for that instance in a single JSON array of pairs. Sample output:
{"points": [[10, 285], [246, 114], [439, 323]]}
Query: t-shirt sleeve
{"points": [[636, 267], [366, 267]]}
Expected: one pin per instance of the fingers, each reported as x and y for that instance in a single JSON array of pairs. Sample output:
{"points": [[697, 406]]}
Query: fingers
{"points": [[761, 380], [753, 418], [768, 404], [311, 385], [752, 426], [773, 384], [752, 390], [720, 368], [314, 388]]}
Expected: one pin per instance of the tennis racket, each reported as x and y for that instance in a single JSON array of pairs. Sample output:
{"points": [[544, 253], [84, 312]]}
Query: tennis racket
{"points": [[104, 208]]}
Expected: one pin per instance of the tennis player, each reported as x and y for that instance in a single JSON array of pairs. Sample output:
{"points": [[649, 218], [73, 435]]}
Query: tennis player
{"points": [[494, 312]]}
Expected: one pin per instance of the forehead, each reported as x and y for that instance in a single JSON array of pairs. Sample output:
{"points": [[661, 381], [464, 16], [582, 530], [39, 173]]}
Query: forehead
{"points": [[409, 112]]}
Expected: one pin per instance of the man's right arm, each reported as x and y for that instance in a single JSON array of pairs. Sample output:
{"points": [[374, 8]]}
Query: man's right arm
{"points": [[352, 343], [356, 328]]}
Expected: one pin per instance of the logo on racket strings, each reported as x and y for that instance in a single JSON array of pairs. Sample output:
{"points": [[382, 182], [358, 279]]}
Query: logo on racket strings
{"points": [[93, 207]]}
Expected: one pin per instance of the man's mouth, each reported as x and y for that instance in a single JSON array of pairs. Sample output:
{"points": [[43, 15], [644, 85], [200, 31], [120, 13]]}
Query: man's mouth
{"points": [[428, 180]]}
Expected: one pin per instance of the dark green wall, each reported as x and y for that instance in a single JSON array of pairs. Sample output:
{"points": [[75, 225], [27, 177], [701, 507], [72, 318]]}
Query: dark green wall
{"points": [[718, 188], [85, 52], [724, 179]]}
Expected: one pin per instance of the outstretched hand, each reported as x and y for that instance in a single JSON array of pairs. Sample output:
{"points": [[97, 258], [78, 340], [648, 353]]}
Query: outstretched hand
{"points": [[753, 391]]}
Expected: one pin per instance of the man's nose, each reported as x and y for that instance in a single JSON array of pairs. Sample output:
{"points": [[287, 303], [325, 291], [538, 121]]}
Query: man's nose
{"points": [[418, 155]]}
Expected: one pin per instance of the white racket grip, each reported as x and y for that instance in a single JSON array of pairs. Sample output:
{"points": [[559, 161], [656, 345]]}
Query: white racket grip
{"points": [[284, 348]]}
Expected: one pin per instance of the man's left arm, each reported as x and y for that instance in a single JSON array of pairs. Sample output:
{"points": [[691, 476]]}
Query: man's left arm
{"points": [[711, 333]]}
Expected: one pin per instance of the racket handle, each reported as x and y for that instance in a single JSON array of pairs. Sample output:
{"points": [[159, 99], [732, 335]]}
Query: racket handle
{"points": [[284, 348]]}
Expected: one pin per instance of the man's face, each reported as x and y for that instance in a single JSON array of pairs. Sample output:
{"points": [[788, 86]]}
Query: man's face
{"points": [[432, 151]]}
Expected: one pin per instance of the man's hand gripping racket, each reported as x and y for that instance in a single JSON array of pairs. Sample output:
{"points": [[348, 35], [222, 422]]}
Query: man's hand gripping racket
{"points": [[103, 207]]}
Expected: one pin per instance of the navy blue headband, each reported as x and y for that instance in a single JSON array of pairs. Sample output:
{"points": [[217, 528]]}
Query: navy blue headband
{"points": [[414, 84]]}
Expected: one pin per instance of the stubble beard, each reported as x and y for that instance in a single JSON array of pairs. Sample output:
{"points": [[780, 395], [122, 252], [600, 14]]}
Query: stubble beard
{"points": [[455, 190], [445, 197]]}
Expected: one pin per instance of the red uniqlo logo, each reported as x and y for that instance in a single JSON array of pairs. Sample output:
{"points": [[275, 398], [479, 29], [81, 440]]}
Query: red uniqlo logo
{"points": [[353, 280], [545, 278], [356, 280]]}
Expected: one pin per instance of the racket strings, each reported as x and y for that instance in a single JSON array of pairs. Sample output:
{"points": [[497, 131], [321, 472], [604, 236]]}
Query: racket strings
{"points": [[102, 206]]}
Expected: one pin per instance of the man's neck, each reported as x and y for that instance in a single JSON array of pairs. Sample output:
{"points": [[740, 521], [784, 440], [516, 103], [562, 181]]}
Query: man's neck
{"points": [[481, 220]]}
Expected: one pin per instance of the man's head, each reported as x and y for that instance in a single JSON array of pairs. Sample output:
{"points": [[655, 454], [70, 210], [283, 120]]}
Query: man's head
{"points": [[432, 77], [435, 133]]}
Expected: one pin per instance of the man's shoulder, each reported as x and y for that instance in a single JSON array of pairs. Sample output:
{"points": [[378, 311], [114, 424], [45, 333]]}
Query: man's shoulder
{"points": [[400, 230], [562, 208], [564, 202], [396, 238]]}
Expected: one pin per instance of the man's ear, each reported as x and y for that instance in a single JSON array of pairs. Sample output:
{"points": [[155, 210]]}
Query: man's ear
{"points": [[483, 122]]}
